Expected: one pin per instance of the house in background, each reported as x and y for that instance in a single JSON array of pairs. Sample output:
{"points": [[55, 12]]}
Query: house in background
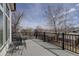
{"points": [[5, 26]]}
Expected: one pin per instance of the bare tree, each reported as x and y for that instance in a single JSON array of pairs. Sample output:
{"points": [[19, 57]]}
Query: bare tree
{"points": [[65, 22], [16, 18], [58, 18], [39, 28], [52, 14]]}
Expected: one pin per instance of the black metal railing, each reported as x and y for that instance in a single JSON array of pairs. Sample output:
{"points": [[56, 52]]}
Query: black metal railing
{"points": [[63, 40]]}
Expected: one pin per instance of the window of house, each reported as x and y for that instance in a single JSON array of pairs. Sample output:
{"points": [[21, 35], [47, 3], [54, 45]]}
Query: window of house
{"points": [[7, 10], [4, 24], [1, 28], [7, 28], [7, 23]]}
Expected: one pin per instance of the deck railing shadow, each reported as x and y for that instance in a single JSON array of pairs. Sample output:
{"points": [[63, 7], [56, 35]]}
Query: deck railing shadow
{"points": [[64, 40]]}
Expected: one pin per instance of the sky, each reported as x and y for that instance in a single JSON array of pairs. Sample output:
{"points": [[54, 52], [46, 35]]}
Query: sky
{"points": [[32, 16], [34, 13]]}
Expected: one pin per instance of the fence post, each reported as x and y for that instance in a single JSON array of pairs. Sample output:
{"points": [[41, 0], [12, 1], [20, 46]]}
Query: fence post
{"points": [[36, 34], [44, 37], [62, 41]]}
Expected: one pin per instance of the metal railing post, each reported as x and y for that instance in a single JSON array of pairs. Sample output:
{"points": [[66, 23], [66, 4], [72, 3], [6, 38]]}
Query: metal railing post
{"points": [[62, 41], [44, 37]]}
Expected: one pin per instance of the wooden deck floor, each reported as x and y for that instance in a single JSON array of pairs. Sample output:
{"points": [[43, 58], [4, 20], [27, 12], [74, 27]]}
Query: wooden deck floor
{"points": [[36, 47], [32, 49]]}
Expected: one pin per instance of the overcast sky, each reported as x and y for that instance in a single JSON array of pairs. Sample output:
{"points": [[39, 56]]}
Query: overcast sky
{"points": [[34, 14]]}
